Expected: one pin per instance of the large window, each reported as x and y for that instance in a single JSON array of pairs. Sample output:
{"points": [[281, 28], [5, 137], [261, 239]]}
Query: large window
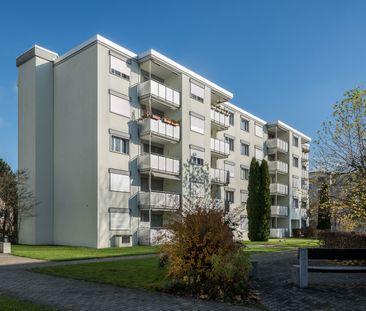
{"points": [[119, 68], [230, 141], [197, 92], [259, 130], [244, 173], [197, 156], [119, 144], [244, 124], [258, 153], [231, 168], [119, 180], [229, 196], [244, 149], [197, 124], [119, 105], [119, 219]]}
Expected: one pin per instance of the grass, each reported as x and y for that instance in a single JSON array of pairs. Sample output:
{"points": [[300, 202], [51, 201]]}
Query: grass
{"points": [[8, 303], [132, 273], [61, 253], [278, 245]]}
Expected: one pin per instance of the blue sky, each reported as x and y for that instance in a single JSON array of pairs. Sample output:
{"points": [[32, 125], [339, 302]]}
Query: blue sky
{"points": [[282, 59]]}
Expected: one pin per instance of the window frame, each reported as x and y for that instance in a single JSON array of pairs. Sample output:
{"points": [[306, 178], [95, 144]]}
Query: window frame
{"points": [[230, 196], [126, 140], [244, 173], [122, 173], [246, 147], [246, 123], [116, 72], [295, 159], [231, 118]]}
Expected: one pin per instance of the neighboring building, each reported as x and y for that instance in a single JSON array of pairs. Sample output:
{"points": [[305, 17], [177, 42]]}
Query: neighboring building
{"points": [[104, 132]]}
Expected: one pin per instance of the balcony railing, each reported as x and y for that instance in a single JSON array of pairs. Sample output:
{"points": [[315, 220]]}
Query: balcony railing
{"points": [[220, 147], [277, 188], [277, 210], [279, 166], [219, 176], [305, 174], [278, 232], [305, 156], [306, 147], [277, 144], [159, 163], [220, 118], [159, 200], [160, 91], [160, 128]]}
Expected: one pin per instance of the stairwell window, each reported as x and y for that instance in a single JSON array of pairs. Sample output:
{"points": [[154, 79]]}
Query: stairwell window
{"points": [[197, 92], [119, 68]]}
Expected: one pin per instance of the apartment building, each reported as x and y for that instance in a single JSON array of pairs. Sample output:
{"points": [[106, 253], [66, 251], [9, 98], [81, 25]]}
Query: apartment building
{"points": [[104, 133]]}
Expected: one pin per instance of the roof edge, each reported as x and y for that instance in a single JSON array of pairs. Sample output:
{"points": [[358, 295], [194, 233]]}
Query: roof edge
{"points": [[278, 122], [38, 51]]}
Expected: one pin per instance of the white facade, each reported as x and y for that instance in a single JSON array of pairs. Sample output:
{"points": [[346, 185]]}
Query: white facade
{"points": [[104, 133]]}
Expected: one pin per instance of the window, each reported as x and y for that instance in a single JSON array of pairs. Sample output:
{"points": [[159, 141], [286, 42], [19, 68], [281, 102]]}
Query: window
{"points": [[243, 196], [231, 168], [119, 68], [156, 220], [258, 153], [119, 144], [197, 189], [296, 203], [197, 124], [244, 149], [231, 118], [119, 218], [295, 161], [244, 124], [243, 222], [154, 149], [119, 105], [197, 92], [295, 182], [258, 130], [229, 196], [197, 156], [119, 181], [231, 142], [244, 173], [295, 141]]}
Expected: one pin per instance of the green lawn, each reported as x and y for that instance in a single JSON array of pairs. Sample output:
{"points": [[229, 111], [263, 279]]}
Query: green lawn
{"points": [[277, 245], [59, 253], [132, 273], [8, 303]]}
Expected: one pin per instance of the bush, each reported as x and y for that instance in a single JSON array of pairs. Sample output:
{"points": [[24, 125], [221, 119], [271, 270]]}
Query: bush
{"points": [[342, 239], [296, 233], [310, 232], [203, 258]]}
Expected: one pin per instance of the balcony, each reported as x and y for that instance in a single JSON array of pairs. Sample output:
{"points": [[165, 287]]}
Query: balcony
{"points": [[159, 201], [278, 233], [219, 148], [219, 120], [161, 132], [305, 156], [277, 145], [279, 166], [159, 165], [219, 176], [278, 189], [304, 194], [221, 203], [305, 148], [304, 174], [279, 211], [162, 97]]}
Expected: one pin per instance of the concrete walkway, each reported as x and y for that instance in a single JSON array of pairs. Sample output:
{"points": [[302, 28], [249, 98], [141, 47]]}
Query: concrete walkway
{"points": [[68, 294]]}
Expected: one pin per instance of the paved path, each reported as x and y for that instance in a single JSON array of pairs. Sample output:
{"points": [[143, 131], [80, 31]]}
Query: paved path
{"points": [[326, 292], [68, 294]]}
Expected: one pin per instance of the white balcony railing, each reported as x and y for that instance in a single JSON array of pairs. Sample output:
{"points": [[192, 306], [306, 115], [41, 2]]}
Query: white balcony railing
{"points": [[277, 210], [161, 91], [220, 118], [278, 233], [220, 146], [305, 147], [305, 156], [159, 200], [159, 163], [219, 176], [278, 189], [305, 174], [277, 143], [278, 166], [160, 128]]}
